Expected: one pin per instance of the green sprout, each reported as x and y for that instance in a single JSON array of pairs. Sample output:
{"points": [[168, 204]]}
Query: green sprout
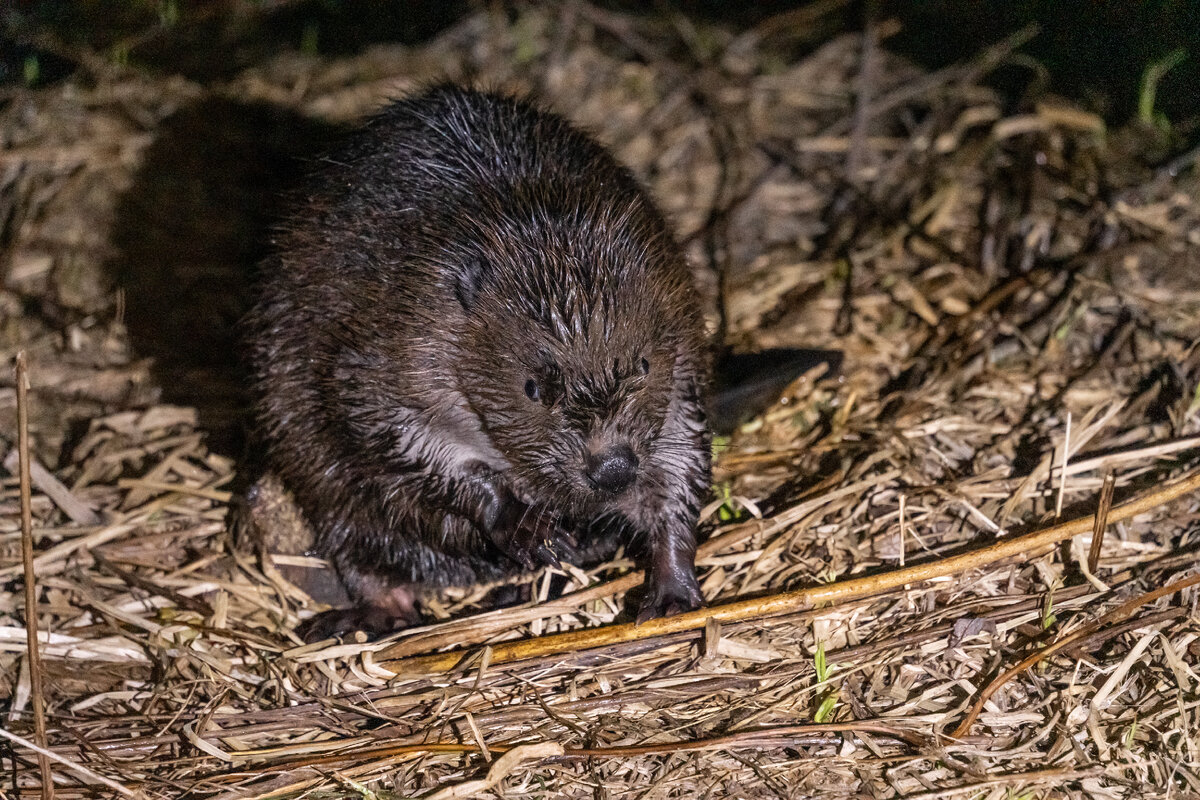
{"points": [[829, 697], [819, 662], [825, 710], [1130, 735], [1195, 404], [528, 35], [1048, 615], [728, 512], [826, 575], [363, 790], [1148, 93], [1076, 314], [310, 38], [120, 54], [31, 70], [168, 13], [837, 276]]}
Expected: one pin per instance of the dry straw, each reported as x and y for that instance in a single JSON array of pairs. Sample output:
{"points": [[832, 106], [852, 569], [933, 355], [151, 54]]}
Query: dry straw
{"points": [[895, 607]]}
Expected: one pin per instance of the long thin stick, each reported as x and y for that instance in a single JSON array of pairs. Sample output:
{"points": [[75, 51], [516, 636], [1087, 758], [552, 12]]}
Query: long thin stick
{"points": [[1102, 509], [794, 601], [1118, 614], [35, 661], [71, 765], [755, 737], [471, 629]]}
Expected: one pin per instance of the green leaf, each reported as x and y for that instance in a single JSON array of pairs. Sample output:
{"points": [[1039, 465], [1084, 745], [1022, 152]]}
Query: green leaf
{"points": [[826, 709]]}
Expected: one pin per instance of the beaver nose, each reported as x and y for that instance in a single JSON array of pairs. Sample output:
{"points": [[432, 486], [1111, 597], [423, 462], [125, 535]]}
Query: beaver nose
{"points": [[612, 470]]}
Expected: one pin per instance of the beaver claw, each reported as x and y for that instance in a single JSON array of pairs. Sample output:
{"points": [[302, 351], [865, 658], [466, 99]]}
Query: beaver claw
{"points": [[525, 533], [665, 598]]}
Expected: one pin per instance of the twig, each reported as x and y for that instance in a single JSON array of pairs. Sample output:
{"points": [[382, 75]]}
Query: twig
{"points": [[1118, 614], [500, 770], [978, 788], [165, 486], [1105, 505], [755, 737], [79, 512], [35, 662], [132, 579], [469, 629], [1062, 483], [797, 23], [794, 601], [965, 73], [43, 753], [864, 86], [488, 623], [761, 737]]}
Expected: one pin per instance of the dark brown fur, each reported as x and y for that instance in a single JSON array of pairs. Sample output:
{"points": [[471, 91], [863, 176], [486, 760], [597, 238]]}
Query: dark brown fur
{"points": [[477, 349]]}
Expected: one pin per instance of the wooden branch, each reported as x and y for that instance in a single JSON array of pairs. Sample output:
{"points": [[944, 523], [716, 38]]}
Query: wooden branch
{"points": [[480, 628], [793, 601]]}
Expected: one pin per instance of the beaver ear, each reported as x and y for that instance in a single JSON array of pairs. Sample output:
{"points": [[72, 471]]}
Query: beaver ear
{"points": [[469, 280]]}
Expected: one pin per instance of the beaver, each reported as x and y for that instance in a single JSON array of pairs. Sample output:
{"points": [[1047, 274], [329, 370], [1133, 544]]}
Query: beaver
{"points": [[477, 349]]}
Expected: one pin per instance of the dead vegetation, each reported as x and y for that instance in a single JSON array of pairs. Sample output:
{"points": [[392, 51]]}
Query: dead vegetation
{"points": [[1018, 299]]}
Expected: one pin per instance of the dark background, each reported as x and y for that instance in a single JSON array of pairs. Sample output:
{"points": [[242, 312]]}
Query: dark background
{"points": [[1090, 50]]}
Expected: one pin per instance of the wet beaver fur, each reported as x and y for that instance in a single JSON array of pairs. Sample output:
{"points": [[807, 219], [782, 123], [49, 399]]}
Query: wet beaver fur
{"points": [[477, 349]]}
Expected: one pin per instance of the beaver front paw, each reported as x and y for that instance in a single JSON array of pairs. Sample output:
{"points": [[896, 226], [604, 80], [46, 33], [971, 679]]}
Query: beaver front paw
{"points": [[524, 533], [666, 597]]}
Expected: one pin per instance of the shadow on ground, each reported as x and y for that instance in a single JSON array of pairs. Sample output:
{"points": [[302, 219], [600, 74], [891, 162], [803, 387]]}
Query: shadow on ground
{"points": [[188, 237]]}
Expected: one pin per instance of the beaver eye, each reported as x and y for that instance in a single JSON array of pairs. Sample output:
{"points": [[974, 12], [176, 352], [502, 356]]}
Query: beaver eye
{"points": [[532, 390], [644, 365]]}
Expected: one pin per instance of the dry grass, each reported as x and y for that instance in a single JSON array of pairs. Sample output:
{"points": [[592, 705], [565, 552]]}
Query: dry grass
{"points": [[1018, 301]]}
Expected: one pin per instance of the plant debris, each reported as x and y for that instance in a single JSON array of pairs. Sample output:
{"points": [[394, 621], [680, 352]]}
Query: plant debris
{"points": [[1014, 291]]}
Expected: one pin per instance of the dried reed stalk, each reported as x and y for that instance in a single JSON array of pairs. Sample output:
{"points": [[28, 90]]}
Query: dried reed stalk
{"points": [[21, 374]]}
